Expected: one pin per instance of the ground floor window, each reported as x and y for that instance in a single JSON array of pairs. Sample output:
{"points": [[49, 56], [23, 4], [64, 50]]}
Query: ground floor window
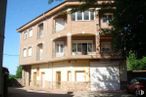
{"points": [[80, 76], [69, 76]]}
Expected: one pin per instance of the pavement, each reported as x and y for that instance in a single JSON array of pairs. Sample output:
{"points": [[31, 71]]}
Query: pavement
{"points": [[24, 92]]}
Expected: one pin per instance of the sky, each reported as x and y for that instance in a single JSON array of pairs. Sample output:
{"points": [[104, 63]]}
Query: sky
{"points": [[19, 12]]}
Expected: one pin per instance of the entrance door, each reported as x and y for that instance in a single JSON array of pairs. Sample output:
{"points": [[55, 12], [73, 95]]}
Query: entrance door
{"points": [[58, 79], [43, 80], [34, 78]]}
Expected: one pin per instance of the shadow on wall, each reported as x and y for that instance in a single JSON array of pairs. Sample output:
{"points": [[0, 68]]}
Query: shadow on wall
{"points": [[106, 78], [13, 82]]}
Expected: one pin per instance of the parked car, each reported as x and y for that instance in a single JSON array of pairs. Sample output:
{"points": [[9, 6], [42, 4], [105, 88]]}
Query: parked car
{"points": [[137, 86]]}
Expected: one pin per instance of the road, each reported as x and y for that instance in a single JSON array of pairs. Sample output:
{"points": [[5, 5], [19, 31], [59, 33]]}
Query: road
{"points": [[21, 92]]}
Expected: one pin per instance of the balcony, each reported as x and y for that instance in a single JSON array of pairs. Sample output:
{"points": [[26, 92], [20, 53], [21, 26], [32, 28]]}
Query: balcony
{"points": [[80, 45]]}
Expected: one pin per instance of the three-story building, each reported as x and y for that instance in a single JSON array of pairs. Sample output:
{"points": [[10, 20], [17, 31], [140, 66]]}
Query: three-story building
{"points": [[61, 49]]}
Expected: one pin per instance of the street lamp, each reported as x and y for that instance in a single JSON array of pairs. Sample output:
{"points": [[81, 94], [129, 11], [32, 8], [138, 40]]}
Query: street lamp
{"points": [[2, 30]]}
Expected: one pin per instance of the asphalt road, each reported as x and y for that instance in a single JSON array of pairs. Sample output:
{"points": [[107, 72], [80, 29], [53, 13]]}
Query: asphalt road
{"points": [[21, 92]]}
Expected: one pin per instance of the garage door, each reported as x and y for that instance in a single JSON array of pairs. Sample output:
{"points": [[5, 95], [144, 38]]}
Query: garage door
{"points": [[104, 76]]}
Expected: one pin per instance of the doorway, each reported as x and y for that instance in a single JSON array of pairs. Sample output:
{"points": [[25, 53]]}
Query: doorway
{"points": [[43, 80], [34, 78], [58, 79]]}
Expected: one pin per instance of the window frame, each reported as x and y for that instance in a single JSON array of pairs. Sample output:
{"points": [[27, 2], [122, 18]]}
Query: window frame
{"points": [[24, 52], [30, 32], [74, 16], [30, 51], [59, 48], [40, 30], [107, 17], [77, 42], [106, 47], [25, 35]]}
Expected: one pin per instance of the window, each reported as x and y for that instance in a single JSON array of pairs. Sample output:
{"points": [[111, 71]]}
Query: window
{"points": [[73, 16], [80, 76], [92, 15], [86, 15], [24, 52], [74, 47], [83, 16], [60, 24], [79, 15], [79, 47], [107, 18], [30, 51], [106, 47], [40, 30], [89, 47], [25, 35], [30, 32], [68, 75], [39, 51], [82, 47], [59, 49]]}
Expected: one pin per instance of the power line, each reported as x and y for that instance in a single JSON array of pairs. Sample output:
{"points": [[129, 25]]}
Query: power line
{"points": [[5, 54]]}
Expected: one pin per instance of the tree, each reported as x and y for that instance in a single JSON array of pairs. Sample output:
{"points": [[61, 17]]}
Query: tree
{"points": [[129, 27], [19, 72], [135, 64]]}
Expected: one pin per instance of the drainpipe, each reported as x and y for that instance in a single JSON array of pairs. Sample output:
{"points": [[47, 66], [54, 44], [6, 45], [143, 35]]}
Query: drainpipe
{"points": [[2, 30]]}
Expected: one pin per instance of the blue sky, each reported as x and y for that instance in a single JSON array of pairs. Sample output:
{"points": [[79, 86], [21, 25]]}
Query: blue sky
{"points": [[19, 12]]}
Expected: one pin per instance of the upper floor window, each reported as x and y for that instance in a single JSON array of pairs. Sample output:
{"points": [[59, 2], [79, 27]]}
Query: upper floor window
{"points": [[25, 35], [40, 30], [106, 18], [83, 16], [24, 52], [59, 49], [30, 51], [30, 32], [106, 47], [82, 47], [39, 51], [59, 24]]}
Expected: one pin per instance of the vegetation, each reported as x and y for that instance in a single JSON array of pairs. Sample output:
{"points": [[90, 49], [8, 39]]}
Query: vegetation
{"points": [[19, 72], [135, 64], [13, 79], [129, 27]]}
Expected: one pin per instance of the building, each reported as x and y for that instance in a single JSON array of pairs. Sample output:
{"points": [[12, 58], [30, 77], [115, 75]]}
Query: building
{"points": [[64, 50], [3, 5]]}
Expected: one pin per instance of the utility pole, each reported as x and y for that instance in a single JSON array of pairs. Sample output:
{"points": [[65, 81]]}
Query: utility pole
{"points": [[3, 4]]}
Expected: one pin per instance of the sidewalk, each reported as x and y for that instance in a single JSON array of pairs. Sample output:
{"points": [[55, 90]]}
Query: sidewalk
{"points": [[23, 92]]}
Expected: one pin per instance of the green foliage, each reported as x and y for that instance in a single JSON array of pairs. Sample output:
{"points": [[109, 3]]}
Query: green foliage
{"points": [[129, 27], [12, 76], [50, 1], [135, 64], [19, 72]]}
